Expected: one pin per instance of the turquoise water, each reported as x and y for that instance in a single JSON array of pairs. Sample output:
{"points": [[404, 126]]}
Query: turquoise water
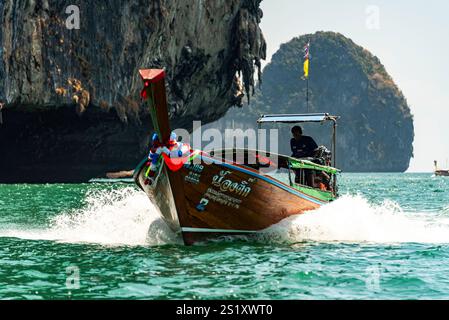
{"points": [[387, 237]]}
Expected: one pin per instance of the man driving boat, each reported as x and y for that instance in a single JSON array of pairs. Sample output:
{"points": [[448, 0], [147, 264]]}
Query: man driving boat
{"points": [[302, 146]]}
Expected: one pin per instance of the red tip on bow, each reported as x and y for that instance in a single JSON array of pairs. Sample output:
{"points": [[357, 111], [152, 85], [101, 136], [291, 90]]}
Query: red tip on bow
{"points": [[152, 75]]}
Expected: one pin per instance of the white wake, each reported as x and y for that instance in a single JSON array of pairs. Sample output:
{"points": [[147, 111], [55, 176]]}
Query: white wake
{"points": [[354, 219], [108, 217], [127, 217]]}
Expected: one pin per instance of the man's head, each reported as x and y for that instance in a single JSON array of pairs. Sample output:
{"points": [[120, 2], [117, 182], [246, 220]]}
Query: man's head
{"points": [[297, 132]]}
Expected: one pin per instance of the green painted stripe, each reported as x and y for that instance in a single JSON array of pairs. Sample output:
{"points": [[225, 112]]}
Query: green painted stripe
{"points": [[322, 195], [305, 164]]}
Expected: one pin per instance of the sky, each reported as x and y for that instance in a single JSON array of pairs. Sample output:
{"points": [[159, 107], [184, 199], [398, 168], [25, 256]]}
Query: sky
{"points": [[411, 39]]}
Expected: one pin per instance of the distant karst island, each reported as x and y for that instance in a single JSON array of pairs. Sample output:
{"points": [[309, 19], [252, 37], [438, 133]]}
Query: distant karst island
{"points": [[375, 131]]}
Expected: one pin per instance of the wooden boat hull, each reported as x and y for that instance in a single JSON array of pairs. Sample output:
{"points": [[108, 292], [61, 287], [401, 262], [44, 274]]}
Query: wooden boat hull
{"points": [[220, 199]]}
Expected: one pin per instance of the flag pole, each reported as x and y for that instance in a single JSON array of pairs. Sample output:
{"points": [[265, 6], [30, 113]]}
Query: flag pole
{"points": [[307, 95], [306, 71]]}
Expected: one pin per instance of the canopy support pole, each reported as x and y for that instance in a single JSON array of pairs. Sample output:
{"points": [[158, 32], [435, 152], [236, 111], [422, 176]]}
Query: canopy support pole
{"points": [[334, 151]]}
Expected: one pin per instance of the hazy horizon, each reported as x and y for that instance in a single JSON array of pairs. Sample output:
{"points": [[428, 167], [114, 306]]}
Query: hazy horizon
{"points": [[409, 39]]}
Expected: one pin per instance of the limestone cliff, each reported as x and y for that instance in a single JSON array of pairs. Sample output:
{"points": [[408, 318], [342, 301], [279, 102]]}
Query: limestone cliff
{"points": [[72, 95], [375, 132]]}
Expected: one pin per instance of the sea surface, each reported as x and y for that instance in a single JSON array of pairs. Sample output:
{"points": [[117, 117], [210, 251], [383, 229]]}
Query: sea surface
{"points": [[386, 237]]}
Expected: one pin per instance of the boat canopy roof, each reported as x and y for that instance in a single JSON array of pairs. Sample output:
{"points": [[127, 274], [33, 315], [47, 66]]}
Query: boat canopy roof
{"points": [[296, 118]]}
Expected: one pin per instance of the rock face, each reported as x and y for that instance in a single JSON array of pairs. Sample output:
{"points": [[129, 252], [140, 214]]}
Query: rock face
{"points": [[375, 131], [72, 95]]}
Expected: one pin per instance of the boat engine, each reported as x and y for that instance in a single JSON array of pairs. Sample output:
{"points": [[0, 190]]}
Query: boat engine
{"points": [[323, 156]]}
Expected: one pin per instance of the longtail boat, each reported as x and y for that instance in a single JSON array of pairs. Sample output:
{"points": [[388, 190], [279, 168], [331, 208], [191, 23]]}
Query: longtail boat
{"points": [[207, 195], [440, 172]]}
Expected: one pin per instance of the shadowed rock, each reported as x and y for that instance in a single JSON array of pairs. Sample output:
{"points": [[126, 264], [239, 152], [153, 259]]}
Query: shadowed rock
{"points": [[72, 96]]}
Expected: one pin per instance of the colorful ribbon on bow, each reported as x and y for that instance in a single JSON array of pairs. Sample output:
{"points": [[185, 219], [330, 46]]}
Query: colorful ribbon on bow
{"points": [[174, 154]]}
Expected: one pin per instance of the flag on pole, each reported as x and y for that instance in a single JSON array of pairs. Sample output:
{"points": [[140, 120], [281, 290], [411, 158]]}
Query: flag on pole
{"points": [[306, 60]]}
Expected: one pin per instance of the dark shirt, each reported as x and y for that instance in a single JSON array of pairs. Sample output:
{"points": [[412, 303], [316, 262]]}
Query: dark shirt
{"points": [[303, 147]]}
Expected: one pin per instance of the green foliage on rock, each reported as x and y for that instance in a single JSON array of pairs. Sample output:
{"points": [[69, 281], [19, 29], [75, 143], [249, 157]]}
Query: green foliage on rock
{"points": [[375, 132]]}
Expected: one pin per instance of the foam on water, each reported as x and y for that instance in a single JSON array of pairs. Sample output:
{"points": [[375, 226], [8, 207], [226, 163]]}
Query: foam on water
{"points": [[127, 217], [109, 217], [354, 219]]}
